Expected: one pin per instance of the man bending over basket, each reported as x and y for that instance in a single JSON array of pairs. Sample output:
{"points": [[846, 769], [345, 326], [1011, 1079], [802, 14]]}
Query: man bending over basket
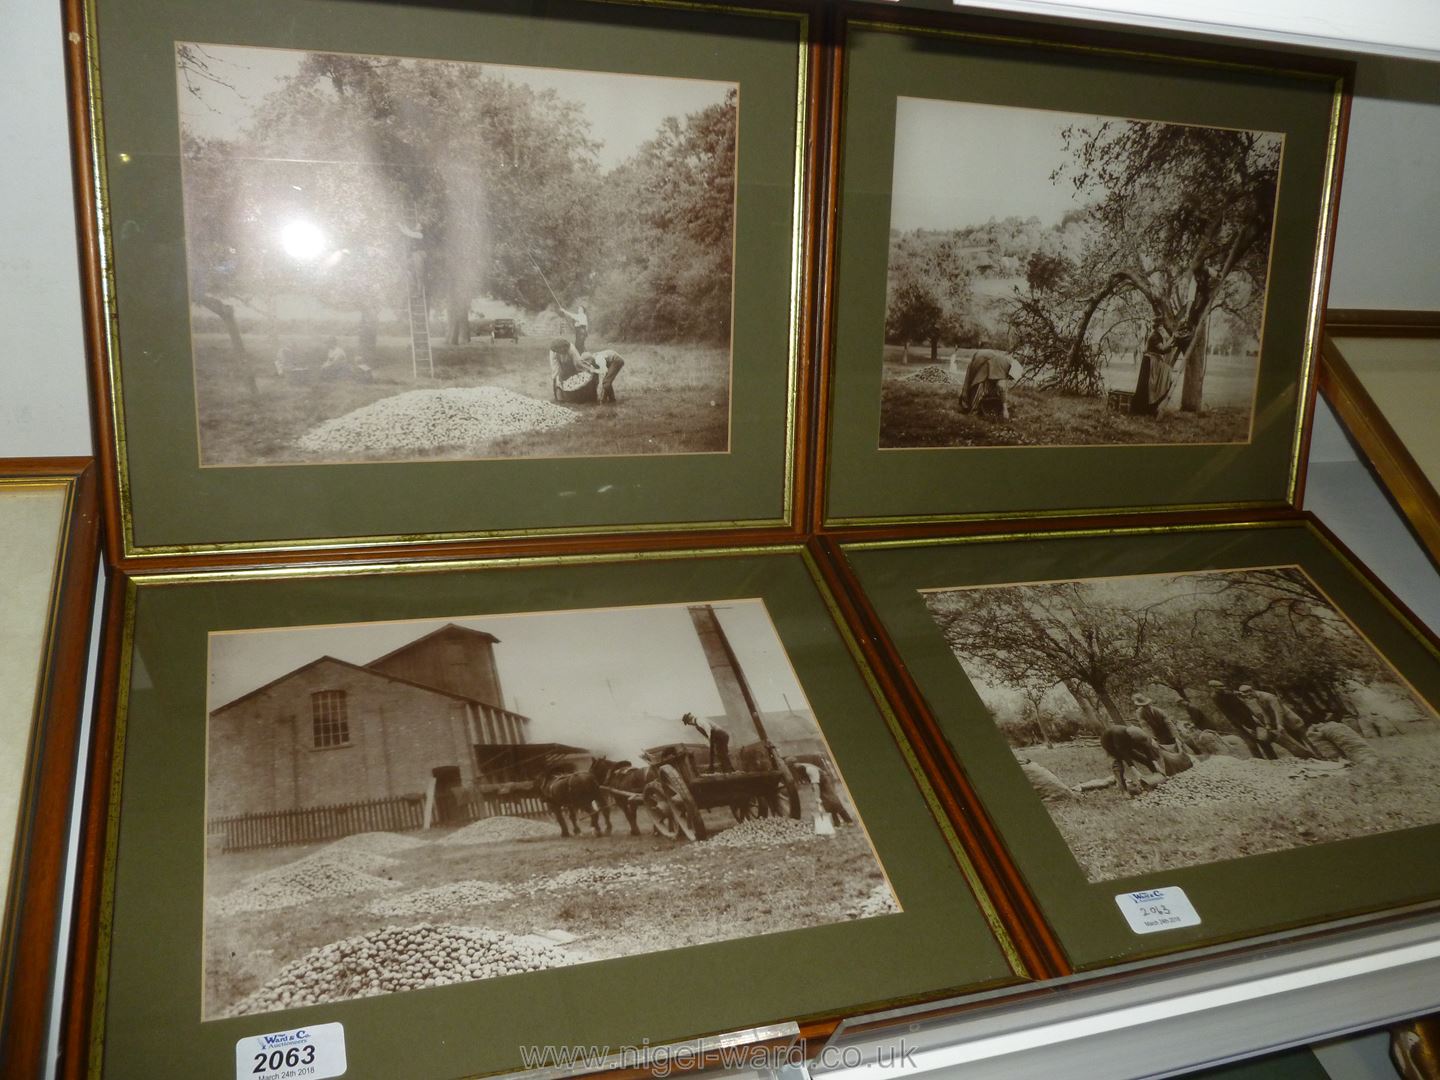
{"points": [[568, 362]]}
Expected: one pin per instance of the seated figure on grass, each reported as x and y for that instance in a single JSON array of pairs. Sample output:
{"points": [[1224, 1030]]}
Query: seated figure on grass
{"points": [[987, 383], [338, 364], [566, 362]]}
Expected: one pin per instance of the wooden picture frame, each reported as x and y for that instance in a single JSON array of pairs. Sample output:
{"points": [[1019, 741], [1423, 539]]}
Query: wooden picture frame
{"points": [[51, 535], [1303, 883], [950, 938], [715, 436], [906, 223], [1366, 353]]}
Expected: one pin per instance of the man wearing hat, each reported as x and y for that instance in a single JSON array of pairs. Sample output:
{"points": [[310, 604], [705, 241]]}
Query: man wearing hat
{"points": [[1131, 748], [1149, 715], [1243, 719], [1285, 727], [719, 740]]}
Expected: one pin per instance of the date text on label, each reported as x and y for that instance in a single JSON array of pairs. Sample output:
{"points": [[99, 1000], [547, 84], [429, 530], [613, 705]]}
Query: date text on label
{"points": [[1152, 910]]}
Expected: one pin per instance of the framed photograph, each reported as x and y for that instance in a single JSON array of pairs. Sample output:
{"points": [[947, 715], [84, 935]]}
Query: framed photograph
{"points": [[1232, 721], [531, 273], [495, 805], [1379, 369], [1074, 274], [49, 533]]}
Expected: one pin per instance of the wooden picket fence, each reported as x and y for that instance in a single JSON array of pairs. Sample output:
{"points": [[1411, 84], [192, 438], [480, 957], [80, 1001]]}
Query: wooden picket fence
{"points": [[527, 807], [281, 828]]}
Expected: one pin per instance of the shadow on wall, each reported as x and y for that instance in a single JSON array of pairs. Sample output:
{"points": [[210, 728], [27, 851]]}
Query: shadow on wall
{"points": [[1386, 239]]}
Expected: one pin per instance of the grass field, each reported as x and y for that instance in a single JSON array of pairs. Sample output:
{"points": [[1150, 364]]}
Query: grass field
{"points": [[1115, 837], [673, 399], [916, 413], [692, 894]]}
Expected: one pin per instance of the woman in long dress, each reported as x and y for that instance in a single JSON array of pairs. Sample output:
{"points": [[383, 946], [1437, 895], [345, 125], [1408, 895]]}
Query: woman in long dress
{"points": [[1157, 371]]}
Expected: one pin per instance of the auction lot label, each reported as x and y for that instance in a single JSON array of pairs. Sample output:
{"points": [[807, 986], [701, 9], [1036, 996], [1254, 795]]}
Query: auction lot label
{"points": [[311, 1053], [1152, 910]]}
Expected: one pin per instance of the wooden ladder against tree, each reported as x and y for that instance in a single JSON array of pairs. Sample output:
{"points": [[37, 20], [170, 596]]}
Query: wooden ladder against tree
{"points": [[419, 325]]}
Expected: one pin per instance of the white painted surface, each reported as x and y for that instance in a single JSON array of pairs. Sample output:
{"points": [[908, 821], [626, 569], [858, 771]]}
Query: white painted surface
{"points": [[1169, 1023], [1387, 241], [1401, 27], [43, 411]]}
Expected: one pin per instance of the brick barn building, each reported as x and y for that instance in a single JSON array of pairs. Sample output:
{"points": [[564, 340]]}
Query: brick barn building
{"points": [[332, 732]]}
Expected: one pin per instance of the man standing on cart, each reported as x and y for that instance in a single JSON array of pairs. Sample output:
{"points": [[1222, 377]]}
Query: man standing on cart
{"points": [[719, 740]]}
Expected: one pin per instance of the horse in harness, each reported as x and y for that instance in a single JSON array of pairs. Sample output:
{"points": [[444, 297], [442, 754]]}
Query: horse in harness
{"points": [[567, 793]]}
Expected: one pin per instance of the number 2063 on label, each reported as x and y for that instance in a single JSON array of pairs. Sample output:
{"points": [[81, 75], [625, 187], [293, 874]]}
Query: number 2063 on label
{"points": [[302, 1054]]}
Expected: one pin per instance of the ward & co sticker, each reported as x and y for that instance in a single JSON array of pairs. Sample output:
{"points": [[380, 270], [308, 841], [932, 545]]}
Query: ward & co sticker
{"points": [[1151, 910], [310, 1052]]}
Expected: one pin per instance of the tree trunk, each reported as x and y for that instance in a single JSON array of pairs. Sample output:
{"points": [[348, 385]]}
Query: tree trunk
{"points": [[905, 356], [1192, 391], [226, 314], [458, 312], [1103, 695], [1044, 731], [1179, 690], [1087, 710], [369, 330], [934, 350]]}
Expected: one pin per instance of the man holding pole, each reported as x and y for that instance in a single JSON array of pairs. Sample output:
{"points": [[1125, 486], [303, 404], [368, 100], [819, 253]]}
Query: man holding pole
{"points": [[579, 318], [581, 322]]}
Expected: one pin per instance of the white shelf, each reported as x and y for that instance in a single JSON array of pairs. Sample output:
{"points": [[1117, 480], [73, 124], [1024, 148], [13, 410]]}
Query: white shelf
{"points": [[1408, 28], [1173, 1021]]}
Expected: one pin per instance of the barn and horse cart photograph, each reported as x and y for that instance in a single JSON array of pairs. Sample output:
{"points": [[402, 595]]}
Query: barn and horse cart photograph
{"points": [[1061, 279], [1174, 720], [407, 259], [391, 806]]}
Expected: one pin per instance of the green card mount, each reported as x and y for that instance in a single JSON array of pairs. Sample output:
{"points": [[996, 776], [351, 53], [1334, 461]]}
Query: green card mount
{"points": [[981, 358]]}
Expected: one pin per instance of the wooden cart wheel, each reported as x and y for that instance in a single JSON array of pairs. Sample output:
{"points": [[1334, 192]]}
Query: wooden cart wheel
{"points": [[658, 807], [787, 793], [682, 803], [749, 806]]}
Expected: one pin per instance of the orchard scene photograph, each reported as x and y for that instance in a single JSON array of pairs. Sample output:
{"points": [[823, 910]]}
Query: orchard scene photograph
{"points": [[1173, 720], [1085, 281], [400, 259]]}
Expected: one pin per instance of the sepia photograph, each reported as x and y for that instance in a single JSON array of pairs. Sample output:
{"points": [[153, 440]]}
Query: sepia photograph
{"points": [[401, 805], [1060, 279], [395, 259], [1174, 720]]}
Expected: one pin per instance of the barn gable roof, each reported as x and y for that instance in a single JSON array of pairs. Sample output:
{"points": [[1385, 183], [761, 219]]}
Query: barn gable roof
{"points": [[449, 629], [351, 667]]}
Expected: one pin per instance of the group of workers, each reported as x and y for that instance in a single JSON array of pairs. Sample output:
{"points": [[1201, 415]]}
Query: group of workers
{"points": [[1256, 723], [990, 374], [809, 769], [568, 359]]}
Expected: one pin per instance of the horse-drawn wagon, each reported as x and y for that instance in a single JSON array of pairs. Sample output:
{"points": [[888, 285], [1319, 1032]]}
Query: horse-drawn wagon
{"points": [[680, 783]]}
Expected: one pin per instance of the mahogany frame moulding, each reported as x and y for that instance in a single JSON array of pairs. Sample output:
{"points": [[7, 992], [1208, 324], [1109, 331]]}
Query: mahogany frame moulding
{"points": [[1400, 475], [104, 325], [86, 998], [1008, 884], [32, 916], [1014, 34]]}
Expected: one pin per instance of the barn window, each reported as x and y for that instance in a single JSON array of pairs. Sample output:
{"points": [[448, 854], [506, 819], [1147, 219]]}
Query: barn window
{"points": [[330, 722]]}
